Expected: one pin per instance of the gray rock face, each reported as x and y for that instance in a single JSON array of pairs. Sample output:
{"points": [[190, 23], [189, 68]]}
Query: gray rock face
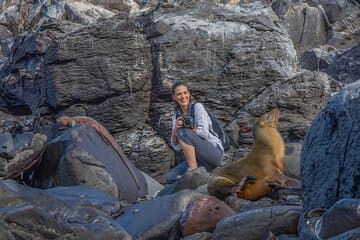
{"points": [[330, 168], [256, 224], [147, 151], [30, 213], [306, 24], [306, 92], [346, 66], [80, 156]]}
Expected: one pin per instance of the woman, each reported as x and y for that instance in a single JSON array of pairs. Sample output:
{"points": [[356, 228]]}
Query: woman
{"points": [[199, 145]]}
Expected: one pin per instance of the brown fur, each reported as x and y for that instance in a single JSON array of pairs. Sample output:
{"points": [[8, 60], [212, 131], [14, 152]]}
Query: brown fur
{"points": [[265, 161]]}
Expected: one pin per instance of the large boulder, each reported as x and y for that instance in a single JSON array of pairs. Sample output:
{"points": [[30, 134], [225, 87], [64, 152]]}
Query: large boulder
{"points": [[157, 218], [329, 165], [256, 224], [307, 25], [81, 156], [30, 213], [330, 168]]}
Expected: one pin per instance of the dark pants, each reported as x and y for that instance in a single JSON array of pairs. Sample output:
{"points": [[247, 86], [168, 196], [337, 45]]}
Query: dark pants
{"points": [[207, 155]]}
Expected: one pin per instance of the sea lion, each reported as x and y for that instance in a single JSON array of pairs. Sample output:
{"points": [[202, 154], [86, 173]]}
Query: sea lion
{"points": [[255, 175]]}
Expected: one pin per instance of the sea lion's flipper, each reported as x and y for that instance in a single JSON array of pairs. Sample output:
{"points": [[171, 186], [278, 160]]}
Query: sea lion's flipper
{"points": [[241, 185], [280, 180], [220, 187]]}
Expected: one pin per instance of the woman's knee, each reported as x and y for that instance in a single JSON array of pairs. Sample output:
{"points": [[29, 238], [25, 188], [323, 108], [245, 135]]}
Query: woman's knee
{"points": [[184, 134]]}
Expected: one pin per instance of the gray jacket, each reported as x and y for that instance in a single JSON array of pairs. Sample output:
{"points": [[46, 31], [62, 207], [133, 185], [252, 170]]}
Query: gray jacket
{"points": [[203, 127]]}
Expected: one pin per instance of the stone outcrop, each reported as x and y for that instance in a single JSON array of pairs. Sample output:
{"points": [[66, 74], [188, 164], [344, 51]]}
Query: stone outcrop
{"points": [[255, 224], [37, 214], [329, 163], [346, 66], [157, 218], [81, 156], [307, 25]]}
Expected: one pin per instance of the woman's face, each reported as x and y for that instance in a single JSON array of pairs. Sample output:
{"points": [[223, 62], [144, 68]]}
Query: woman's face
{"points": [[182, 95]]}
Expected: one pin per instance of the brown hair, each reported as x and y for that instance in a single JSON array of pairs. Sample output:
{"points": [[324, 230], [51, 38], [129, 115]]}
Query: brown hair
{"points": [[174, 86]]}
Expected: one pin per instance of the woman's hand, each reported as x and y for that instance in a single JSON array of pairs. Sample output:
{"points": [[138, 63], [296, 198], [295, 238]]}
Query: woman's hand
{"points": [[179, 123]]}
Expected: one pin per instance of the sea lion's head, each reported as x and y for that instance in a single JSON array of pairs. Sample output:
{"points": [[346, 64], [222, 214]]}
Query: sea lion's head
{"points": [[269, 119]]}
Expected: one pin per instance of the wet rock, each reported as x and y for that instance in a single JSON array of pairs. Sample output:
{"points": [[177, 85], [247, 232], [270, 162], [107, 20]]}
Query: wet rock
{"points": [[343, 216], [81, 156], [329, 165], [236, 203], [190, 180], [153, 186], [199, 236], [203, 215], [255, 224], [352, 234], [84, 196], [157, 218], [31, 213]]}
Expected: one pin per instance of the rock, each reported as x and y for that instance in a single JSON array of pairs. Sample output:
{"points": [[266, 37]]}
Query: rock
{"points": [[346, 67], [221, 51], [346, 29], [335, 10], [153, 186], [157, 218], [292, 159], [306, 24], [255, 224], [236, 203], [199, 236], [307, 92], [81, 156], [20, 154], [6, 146], [318, 59], [25, 158], [329, 167], [190, 180], [147, 151], [31, 213], [203, 215], [343, 216], [85, 13], [84, 196], [352, 234]]}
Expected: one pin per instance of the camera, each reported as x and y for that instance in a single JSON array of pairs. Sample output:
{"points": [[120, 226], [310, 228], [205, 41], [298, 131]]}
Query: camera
{"points": [[188, 122]]}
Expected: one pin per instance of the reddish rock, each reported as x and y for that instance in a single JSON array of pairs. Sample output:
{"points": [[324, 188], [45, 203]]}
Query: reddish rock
{"points": [[203, 215]]}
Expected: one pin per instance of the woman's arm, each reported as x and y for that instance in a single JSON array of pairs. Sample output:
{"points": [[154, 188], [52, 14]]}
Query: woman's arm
{"points": [[201, 121], [174, 141]]}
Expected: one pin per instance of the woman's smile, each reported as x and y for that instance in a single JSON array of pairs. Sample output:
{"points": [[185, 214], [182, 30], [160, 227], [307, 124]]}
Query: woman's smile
{"points": [[182, 96]]}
